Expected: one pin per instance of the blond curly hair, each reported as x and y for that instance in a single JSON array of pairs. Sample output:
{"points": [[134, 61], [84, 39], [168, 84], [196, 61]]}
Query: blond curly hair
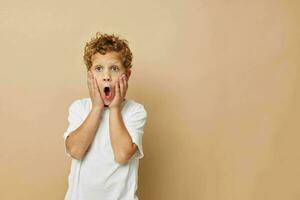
{"points": [[103, 43]]}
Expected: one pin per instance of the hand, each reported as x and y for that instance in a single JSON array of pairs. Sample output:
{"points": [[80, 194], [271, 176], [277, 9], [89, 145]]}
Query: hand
{"points": [[94, 91], [120, 92]]}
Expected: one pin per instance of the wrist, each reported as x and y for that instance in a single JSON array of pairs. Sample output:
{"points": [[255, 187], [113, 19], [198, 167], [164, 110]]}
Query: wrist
{"points": [[115, 108], [97, 109]]}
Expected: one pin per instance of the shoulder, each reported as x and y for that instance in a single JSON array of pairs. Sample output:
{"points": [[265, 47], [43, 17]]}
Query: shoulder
{"points": [[86, 103], [133, 106], [81, 105]]}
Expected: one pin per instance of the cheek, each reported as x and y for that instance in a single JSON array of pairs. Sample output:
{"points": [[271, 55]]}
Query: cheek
{"points": [[98, 81], [115, 80]]}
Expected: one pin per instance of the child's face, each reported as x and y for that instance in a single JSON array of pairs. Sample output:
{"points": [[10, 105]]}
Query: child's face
{"points": [[107, 69]]}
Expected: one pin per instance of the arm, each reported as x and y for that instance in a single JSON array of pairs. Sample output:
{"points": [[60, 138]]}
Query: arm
{"points": [[80, 139], [122, 144]]}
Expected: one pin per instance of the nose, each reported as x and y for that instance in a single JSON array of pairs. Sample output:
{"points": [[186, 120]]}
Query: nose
{"points": [[106, 77]]}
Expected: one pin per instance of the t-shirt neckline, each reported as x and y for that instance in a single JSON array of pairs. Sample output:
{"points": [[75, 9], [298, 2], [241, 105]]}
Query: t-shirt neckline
{"points": [[125, 102]]}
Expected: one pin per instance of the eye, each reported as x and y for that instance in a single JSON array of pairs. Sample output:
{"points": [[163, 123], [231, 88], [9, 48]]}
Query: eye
{"points": [[98, 68], [115, 68]]}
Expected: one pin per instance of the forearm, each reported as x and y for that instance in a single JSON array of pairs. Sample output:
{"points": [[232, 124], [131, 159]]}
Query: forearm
{"points": [[119, 136], [81, 138]]}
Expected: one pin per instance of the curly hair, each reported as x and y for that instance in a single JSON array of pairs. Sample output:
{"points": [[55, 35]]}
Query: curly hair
{"points": [[103, 43]]}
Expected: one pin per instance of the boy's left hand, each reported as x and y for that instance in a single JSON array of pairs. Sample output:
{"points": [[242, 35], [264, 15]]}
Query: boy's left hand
{"points": [[120, 92]]}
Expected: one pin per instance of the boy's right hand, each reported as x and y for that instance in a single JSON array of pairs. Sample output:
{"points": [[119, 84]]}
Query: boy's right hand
{"points": [[94, 91]]}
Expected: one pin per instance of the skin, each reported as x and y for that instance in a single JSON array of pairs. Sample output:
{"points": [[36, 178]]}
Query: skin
{"points": [[79, 140], [108, 70]]}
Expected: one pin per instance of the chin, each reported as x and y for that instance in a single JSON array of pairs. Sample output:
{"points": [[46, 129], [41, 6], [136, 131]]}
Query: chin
{"points": [[106, 103]]}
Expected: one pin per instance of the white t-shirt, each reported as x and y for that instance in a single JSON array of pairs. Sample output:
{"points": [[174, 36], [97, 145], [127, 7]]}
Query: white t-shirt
{"points": [[98, 176]]}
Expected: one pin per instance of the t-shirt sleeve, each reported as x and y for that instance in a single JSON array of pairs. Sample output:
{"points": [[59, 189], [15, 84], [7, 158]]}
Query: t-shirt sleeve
{"points": [[135, 126], [75, 119]]}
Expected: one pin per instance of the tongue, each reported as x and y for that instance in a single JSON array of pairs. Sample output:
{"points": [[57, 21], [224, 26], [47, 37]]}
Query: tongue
{"points": [[107, 95]]}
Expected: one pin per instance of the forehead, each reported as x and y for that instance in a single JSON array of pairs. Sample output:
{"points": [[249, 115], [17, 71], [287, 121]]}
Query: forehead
{"points": [[107, 59]]}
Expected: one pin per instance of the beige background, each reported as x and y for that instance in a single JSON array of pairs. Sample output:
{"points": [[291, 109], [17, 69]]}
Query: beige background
{"points": [[219, 79]]}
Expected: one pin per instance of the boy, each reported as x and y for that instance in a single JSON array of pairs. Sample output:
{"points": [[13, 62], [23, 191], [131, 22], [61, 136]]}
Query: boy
{"points": [[104, 136]]}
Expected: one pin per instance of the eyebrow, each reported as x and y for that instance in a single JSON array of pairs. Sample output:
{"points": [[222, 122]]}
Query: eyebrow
{"points": [[110, 65]]}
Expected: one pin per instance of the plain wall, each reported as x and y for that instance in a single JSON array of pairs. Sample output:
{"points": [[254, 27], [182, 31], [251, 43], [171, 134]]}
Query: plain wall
{"points": [[219, 79]]}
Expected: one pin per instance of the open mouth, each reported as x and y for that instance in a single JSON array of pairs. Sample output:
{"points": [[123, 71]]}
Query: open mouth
{"points": [[107, 91]]}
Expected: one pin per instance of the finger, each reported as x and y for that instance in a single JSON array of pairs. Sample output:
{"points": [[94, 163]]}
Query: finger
{"points": [[117, 89], [125, 82], [88, 76], [97, 87], [121, 87], [93, 84], [125, 86], [89, 82]]}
